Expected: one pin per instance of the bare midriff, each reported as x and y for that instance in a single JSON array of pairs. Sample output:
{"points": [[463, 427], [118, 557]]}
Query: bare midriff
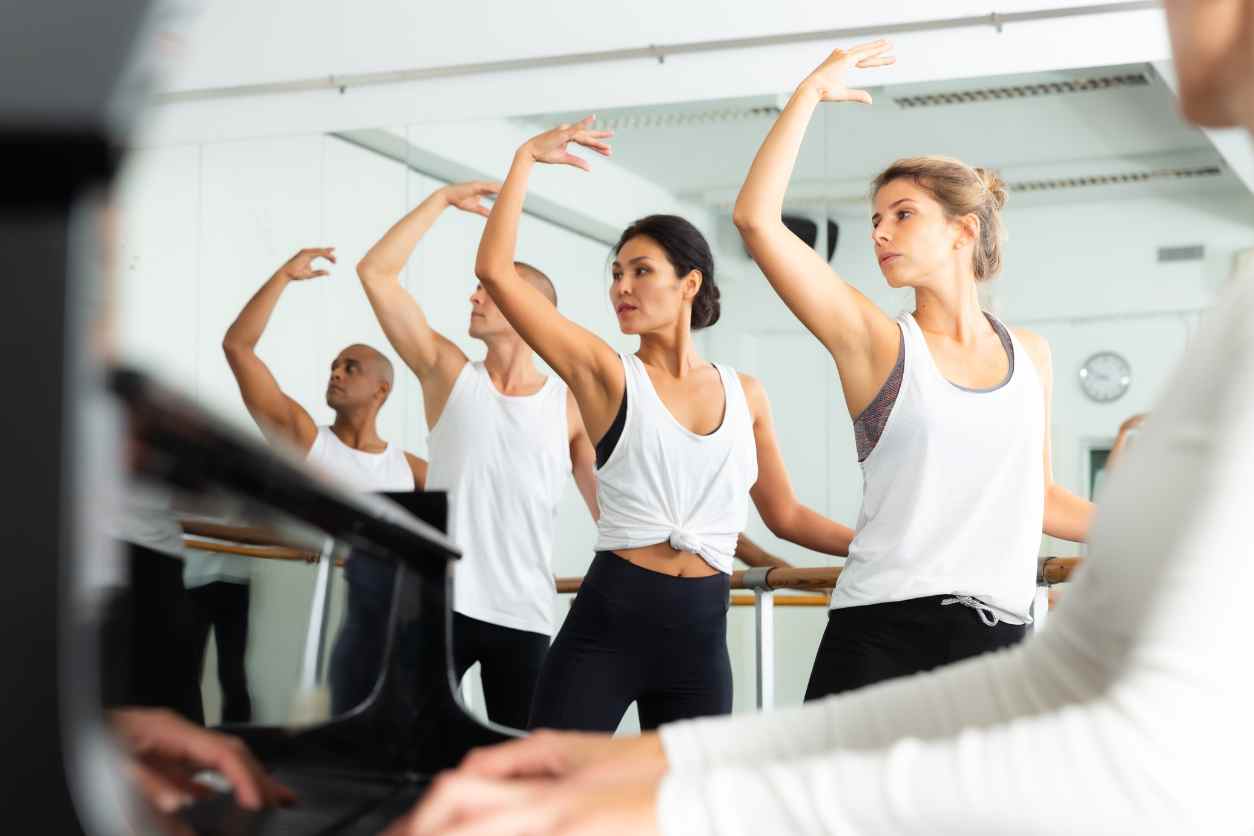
{"points": [[661, 557]]}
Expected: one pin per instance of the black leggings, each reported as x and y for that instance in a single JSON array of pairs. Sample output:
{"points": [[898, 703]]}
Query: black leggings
{"points": [[509, 665], [157, 656], [510, 660], [637, 635], [872, 643], [223, 607]]}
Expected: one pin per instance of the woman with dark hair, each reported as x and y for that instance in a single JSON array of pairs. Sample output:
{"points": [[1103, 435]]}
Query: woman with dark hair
{"points": [[950, 408], [683, 445]]}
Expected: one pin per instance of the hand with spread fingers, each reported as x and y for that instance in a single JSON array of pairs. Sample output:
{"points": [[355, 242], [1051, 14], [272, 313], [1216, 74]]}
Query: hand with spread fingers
{"points": [[468, 197], [550, 146], [829, 79], [301, 266]]}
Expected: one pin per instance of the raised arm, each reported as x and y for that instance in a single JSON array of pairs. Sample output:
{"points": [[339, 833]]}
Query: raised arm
{"points": [[276, 414], [1126, 431], [773, 495], [861, 338], [588, 365], [435, 359]]}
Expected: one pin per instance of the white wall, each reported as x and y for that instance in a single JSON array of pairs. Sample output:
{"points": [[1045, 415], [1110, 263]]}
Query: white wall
{"points": [[234, 45]]}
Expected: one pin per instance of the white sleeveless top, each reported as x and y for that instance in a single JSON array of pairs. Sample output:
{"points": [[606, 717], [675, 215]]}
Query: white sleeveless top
{"points": [[664, 483], [954, 491], [358, 470], [504, 461]]}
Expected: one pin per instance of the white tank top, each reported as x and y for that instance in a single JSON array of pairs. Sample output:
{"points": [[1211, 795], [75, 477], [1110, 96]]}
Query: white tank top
{"points": [[953, 492], [504, 461], [360, 471], [664, 483]]}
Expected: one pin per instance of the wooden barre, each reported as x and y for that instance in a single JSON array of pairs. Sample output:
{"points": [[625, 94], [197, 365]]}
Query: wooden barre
{"points": [[259, 552], [1050, 570], [742, 599], [246, 535]]}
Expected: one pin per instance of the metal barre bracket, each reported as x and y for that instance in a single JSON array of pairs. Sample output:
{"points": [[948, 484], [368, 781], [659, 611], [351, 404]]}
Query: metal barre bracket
{"points": [[756, 578]]}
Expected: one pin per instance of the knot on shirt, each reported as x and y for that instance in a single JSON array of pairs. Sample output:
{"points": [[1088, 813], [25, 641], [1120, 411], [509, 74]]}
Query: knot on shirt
{"points": [[685, 541]]}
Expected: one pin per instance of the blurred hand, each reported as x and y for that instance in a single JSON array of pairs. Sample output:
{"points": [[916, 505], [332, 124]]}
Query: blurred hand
{"points": [[1133, 423], [167, 751], [581, 756], [460, 804]]}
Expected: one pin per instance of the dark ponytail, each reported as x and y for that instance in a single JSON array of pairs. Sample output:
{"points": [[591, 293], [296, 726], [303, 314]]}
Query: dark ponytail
{"points": [[687, 250]]}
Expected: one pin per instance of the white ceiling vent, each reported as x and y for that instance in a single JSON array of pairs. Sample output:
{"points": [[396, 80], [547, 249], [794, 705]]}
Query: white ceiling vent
{"points": [[1023, 91], [1115, 179], [678, 118]]}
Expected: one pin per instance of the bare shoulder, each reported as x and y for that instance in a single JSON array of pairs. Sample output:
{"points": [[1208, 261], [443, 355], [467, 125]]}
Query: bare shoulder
{"points": [[1037, 346], [755, 393], [574, 418], [418, 466]]}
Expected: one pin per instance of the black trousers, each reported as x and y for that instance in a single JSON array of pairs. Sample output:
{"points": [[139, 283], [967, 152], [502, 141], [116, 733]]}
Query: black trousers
{"points": [[509, 660], [634, 635], [158, 656], [876, 642], [223, 607], [357, 657]]}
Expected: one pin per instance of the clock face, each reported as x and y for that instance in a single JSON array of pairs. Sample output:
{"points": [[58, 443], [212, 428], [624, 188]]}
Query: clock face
{"points": [[1105, 376]]}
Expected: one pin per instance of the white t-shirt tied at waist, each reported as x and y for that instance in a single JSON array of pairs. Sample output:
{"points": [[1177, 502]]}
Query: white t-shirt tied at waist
{"points": [[666, 484]]}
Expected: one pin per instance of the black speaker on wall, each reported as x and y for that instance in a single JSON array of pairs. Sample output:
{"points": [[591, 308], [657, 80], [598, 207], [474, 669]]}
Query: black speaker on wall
{"points": [[807, 230]]}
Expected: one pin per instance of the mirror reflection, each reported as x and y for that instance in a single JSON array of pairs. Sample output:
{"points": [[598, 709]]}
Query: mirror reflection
{"points": [[373, 302]]}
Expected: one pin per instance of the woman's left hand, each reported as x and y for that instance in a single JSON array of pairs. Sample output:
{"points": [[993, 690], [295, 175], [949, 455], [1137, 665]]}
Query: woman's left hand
{"points": [[550, 146], [459, 804]]}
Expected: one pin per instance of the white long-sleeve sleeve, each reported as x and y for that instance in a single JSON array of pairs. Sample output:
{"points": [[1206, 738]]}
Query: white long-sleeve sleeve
{"points": [[1130, 713]]}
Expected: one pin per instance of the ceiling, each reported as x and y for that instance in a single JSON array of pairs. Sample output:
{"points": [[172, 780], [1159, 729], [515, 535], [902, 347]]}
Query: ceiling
{"points": [[1055, 136]]}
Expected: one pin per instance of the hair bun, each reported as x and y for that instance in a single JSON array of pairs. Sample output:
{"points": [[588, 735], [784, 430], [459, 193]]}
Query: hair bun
{"points": [[995, 185]]}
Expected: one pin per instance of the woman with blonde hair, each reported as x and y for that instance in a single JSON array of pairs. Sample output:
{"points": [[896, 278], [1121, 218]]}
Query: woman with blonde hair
{"points": [[950, 407]]}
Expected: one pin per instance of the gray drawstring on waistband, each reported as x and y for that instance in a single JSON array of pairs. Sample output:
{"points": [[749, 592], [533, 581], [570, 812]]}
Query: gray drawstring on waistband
{"points": [[987, 614]]}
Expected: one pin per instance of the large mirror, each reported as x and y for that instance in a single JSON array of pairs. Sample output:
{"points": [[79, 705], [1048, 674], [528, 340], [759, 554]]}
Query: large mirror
{"points": [[1122, 223]]}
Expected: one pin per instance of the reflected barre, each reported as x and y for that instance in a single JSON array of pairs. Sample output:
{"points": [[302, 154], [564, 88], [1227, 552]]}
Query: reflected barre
{"points": [[244, 541]]}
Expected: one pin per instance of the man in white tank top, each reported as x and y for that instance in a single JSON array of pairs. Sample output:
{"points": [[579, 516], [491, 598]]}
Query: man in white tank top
{"points": [[348, 450], [503, 440]]}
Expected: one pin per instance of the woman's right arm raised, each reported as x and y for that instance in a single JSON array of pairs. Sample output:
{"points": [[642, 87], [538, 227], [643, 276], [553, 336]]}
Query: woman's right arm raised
{"points": [[846, 322], [586, 362]]}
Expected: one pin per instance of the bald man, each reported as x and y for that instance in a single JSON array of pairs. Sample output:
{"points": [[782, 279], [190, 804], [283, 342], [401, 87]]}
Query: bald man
{"points": [[349, 449], [361, 380]]}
